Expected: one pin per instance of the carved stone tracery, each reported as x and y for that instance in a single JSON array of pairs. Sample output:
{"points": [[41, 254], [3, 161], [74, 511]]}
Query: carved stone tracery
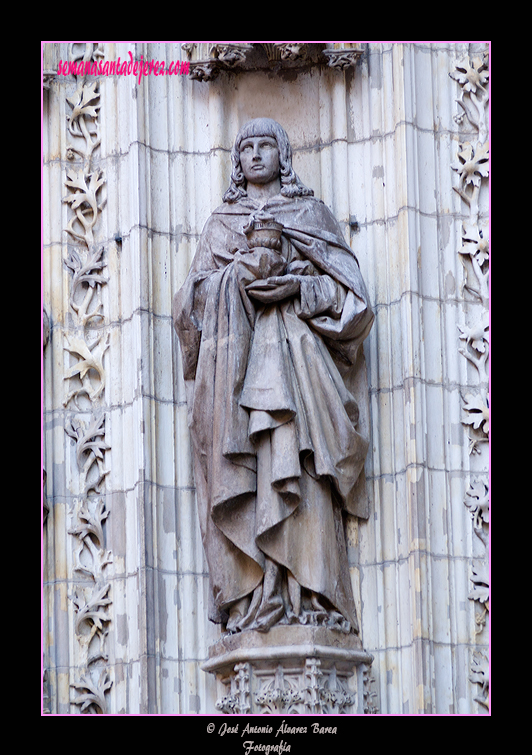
{"points": [[208, 60], [308, 687], [318, 671], [304, 689]]}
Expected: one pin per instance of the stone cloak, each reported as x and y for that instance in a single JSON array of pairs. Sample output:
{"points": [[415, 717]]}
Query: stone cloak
{"points": [[277, 452]]}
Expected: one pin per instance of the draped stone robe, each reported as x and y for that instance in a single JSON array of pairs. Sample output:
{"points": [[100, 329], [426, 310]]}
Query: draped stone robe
{"points": [[277, 452]]}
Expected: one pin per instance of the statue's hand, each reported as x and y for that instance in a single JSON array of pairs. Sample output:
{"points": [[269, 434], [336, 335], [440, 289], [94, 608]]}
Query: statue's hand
{"points": [[260, 263], [274, 289]]}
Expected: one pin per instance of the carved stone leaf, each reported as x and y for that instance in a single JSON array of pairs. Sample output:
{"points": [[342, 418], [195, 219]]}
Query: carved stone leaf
{"points": [[475, 242], [471, 74], [228, 704], [480, 579], [91, 524], [89, 442], [77, 180], [78, 346], [480, 675], [83, 273], [93, 609], [477, 413], [95, 692], [477, 501], [476, 335], [91, 360], [81, 100], [472, 165]]}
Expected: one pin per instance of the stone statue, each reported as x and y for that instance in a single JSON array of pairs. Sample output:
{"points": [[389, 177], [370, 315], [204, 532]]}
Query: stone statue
{"points": [[272, 314]]}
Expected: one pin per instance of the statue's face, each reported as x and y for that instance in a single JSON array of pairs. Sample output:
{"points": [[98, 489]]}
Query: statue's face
{"points": [[259, 158]]}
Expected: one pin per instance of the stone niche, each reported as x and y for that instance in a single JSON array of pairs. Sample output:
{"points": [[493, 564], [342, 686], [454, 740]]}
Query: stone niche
{"points": [[290, 670], [398, 149]]}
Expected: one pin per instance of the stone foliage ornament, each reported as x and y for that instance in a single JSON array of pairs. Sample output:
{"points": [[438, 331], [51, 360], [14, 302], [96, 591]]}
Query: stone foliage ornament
{"points": [[86, 345], [472, 169], [208, 60]]}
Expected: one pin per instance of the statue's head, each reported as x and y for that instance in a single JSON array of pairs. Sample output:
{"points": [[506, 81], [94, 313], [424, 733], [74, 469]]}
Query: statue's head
{"points": [[291, 185]]}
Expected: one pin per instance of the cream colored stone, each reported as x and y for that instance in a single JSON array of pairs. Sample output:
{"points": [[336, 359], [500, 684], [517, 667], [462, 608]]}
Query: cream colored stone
{"points": [[377, 143]]}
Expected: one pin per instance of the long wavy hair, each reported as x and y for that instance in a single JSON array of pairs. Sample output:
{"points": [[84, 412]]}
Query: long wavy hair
{"points": [[291, 185]]}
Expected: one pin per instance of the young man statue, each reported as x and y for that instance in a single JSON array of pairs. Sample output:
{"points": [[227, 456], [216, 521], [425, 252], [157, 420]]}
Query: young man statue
{"points": [[271, 316]]}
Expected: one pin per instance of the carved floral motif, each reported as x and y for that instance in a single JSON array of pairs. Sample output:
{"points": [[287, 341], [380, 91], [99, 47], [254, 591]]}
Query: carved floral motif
{"points": [[472, 169], [84, 284], [86, 345], [480, 675], [92, 697], [472, 166]]}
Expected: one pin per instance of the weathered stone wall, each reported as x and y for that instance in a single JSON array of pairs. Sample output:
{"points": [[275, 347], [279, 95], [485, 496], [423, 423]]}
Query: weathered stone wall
{"points": [[131, 171]]}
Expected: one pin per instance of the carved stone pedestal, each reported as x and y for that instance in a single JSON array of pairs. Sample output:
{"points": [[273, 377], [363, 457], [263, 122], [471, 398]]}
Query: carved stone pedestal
{"points": [[290, 669]]}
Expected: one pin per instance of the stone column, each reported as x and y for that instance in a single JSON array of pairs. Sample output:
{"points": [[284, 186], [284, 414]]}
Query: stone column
{"points": [[123, 563], [416, 549]]}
